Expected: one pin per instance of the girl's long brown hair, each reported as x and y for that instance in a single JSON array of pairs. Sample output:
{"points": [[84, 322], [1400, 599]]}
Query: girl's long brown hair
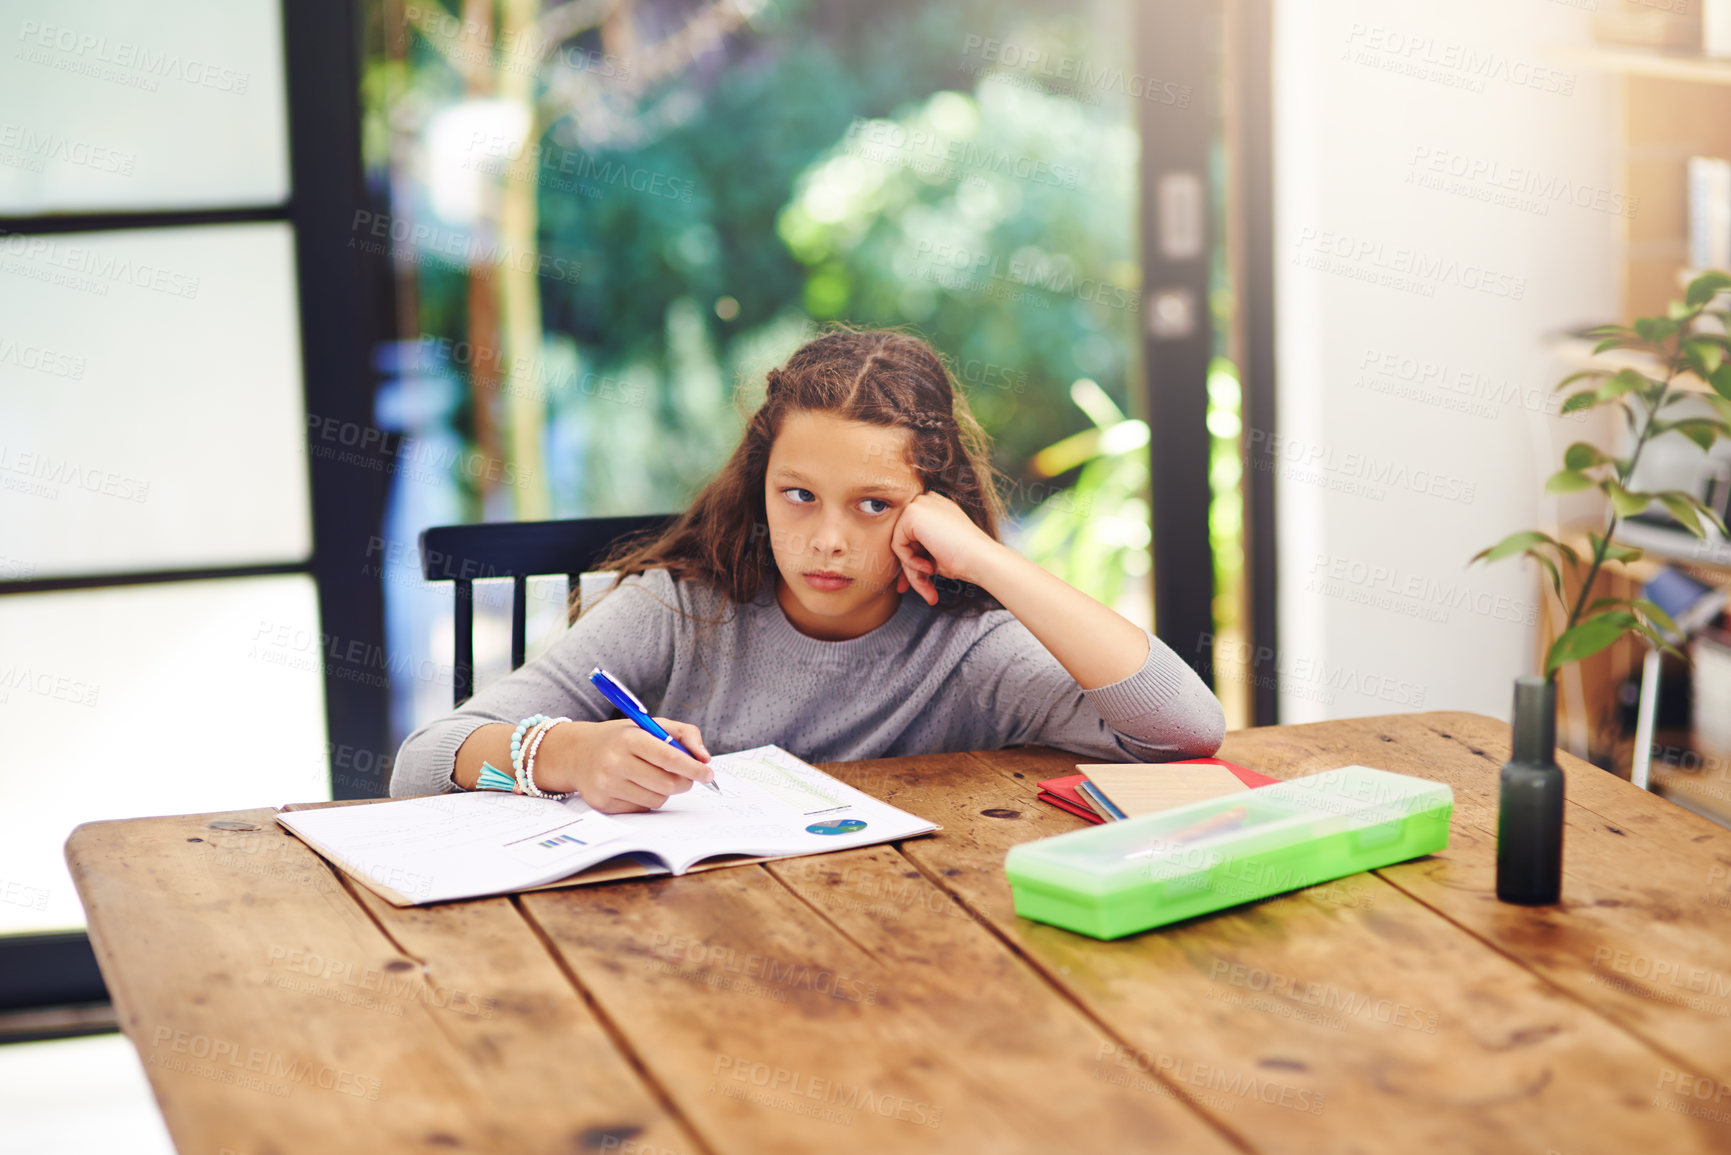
{"points": [[876, 376]]}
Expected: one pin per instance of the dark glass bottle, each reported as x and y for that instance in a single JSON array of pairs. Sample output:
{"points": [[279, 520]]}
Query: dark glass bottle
{"points": [[1530, 817]]}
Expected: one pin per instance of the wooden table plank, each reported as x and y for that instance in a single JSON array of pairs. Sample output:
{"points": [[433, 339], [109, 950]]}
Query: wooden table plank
{"points": [[1347, 1017], [1642, 933], [272, 1015], [774, 1027], [986, 1001], [526, 1031]]}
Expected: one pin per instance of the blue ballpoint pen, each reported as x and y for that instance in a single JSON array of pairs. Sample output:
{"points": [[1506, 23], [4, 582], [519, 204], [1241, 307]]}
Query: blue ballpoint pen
{"points": [[615, 692]]}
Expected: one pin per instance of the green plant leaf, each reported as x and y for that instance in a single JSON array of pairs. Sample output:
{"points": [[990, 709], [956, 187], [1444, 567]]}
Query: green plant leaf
{"points": [[1658, 428], [1658, 641], [1656, 329], [1626, 502], [1656, 613], [1705, 287], [1580, 376], [1563, 548], [1586, 639], [1688, 509], [1549, 567], [1585, 399], [1704, 355], [1703, 431], [1720, 379], [1513, 544], [1624, 381], [1582, 455], [1718, 404], [1623, 553], [1684, 508], [1568, 481], [1528, 543]]}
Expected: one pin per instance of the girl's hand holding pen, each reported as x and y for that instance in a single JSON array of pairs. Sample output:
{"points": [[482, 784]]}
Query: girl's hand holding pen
{"points": [[935, 537], [618, 768]]}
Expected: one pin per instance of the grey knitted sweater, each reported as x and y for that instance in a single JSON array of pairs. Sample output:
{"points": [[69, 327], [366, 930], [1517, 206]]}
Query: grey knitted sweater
{"points": [[924, 682]]}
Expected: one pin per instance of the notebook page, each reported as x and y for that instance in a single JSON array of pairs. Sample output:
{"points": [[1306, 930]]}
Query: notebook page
{"points": [[458, 845], [464, 845], [771, 803]]}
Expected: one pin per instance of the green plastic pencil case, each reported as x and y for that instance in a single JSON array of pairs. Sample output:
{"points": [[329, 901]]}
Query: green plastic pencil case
{"points": [[1113, 880]]}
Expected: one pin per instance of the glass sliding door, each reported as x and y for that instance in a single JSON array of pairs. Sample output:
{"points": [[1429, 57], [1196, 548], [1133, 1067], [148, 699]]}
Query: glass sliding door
{"points": [[162, 632]]}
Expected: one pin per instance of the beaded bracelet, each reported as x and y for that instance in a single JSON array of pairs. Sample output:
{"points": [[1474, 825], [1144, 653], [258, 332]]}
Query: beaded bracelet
{"points": [[530, 748], [523, 727], [524, 757], [529, 762]]}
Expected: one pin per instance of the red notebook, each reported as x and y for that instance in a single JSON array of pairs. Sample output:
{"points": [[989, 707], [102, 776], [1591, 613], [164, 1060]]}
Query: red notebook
{"points": [[1062, 793]]}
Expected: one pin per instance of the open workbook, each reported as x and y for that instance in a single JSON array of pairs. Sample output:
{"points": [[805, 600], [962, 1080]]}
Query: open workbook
{"points": [[449, 846]]}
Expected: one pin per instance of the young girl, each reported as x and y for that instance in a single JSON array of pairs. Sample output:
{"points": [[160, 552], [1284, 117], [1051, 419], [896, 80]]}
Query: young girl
{"points": [[797, 602]]}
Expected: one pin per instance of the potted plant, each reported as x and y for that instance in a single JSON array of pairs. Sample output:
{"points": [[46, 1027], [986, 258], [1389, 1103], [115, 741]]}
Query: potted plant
{"points": [[1655, 403], [1677, 345]]}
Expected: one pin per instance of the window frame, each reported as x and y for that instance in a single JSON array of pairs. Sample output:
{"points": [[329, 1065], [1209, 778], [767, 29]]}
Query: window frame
{"points": [[321, 73]]}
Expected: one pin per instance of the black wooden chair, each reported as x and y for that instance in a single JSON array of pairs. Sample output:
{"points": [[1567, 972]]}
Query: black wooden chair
{"points": [[517, 550]]}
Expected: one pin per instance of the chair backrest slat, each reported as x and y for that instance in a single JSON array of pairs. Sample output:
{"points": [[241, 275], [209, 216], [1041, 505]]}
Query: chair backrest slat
{"points": [[463, 669], [519, 619], [517, 550]]}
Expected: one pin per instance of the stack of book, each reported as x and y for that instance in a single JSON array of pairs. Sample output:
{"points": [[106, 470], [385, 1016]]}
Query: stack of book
{"points": [[1107, 792]]}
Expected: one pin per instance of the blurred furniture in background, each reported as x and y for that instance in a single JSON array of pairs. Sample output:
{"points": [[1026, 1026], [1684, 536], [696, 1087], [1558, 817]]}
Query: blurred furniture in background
{"points": [[517, 550], [1675, 105], [1598, 699], [1675, 125], [1692, 606]]}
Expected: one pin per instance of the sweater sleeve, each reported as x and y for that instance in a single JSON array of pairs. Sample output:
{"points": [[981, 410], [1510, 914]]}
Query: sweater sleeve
{"points": [[1161, 713], [630, 630]]}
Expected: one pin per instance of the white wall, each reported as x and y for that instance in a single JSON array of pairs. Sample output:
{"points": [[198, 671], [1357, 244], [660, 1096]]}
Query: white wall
{"points": [[1392, 473]]}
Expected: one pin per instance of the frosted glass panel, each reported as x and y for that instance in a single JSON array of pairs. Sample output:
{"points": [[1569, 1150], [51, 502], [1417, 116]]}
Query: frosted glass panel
{"points": [[113, 104], [162, 699], [151, 407]]}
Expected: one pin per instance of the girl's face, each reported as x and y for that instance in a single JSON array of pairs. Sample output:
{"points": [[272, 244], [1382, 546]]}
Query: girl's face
{"points": [[834, 489]]}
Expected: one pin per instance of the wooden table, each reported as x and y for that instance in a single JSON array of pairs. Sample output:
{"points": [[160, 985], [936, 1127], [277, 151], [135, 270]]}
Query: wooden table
{"points": [[887, 999]]}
